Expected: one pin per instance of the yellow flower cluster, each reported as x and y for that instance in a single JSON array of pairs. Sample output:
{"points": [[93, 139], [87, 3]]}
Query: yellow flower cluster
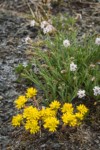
{"points": [[51, 123], [31, 92], [55, 105], [31, 113], [82, 109], [32, 118], [32, 126], [16, 121], [69, 119], [20, 102], [67, 108], [73, 119], [48, 116], [47, 112]]}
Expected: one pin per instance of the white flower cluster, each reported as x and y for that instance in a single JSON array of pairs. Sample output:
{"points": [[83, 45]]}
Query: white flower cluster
{"points": [[27, 39], [25, 64], [32, 23], [66, 43], [81, 93], [96, 90], [44, 24], [97, 41], [73, 67], [47, 28]]}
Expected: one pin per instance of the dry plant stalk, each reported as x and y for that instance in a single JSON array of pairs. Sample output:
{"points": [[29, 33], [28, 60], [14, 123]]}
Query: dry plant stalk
{"points": [[42, 9], [36, 102]]}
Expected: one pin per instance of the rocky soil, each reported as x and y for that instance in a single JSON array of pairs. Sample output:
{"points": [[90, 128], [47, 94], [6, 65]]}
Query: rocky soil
{"points": [[14, 27]]}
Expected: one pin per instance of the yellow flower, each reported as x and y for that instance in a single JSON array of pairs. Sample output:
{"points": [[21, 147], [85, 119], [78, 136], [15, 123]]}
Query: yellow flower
{"points": [[67, 108], [31, 92], [51, 124], [82, 109], [16, 120], [47, 112], [55, 105], [31, 113], [32, 126], [79, 116], [20, 102], [69, 119]]}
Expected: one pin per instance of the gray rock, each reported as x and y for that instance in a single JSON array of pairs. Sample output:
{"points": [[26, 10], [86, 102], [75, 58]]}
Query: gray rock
{"points": [[3, 86], [43, 146], [1, 97], [56, 146]]}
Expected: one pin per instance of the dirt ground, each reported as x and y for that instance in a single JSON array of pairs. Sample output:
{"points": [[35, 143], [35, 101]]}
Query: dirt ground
{"points": [[13, 30]]}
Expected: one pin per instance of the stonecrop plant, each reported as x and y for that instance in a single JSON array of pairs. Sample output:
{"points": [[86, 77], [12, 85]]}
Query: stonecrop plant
{"points": [[34, 118], [67, 66]]}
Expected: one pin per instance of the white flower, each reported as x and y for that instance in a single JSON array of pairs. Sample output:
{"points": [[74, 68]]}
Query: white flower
{"points": [[27, 39], [81, 93], [97, 41], [44, 24], [96, 90], [66, 43], [73, 67], [25, 64], [36, 70], [48, 29], [78, 17], [32, 23]]}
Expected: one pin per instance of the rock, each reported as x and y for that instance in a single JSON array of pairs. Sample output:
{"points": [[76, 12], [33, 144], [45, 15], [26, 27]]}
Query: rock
{"points": [[56, 146], [43, 146], [11, 93], [1, 97], [3, 86]]}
